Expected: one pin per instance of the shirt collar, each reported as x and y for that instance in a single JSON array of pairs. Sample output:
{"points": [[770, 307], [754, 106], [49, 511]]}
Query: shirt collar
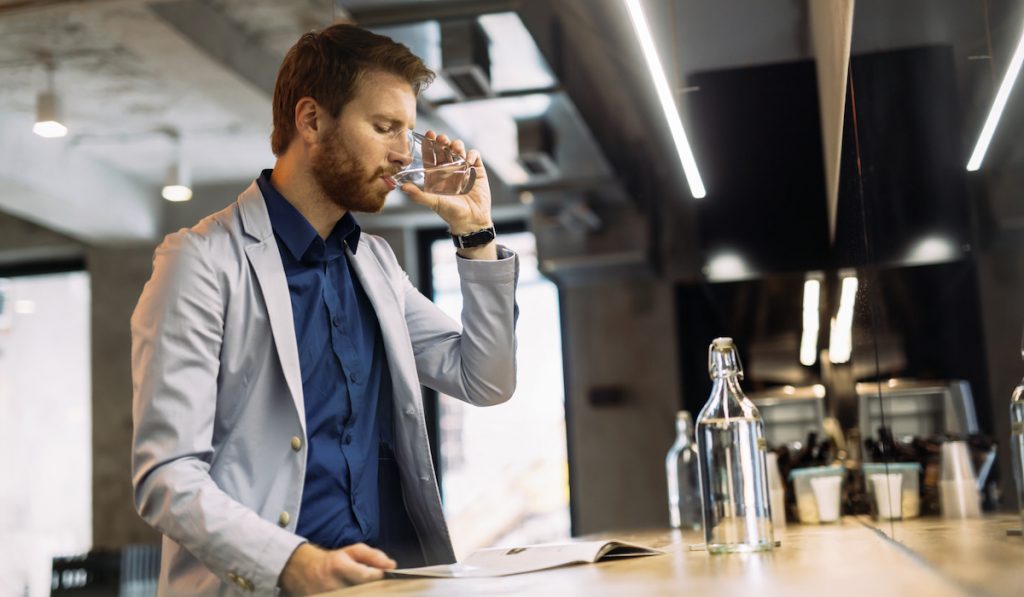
{"points": [[295, 231]]}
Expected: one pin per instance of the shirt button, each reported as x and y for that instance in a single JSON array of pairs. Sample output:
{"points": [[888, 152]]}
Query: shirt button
{"points": [[283, 519], [296, 443], [348, 439], [410, 412], [337, 321], [353, 377]]}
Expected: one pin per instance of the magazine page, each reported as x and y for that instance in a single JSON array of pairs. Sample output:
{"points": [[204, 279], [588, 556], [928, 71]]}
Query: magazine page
{"points": [[503, 561]]}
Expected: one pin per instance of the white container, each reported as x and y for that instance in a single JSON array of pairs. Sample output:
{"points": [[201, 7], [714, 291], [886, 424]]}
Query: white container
{"points": [[827, 496], [776, 491], [909, 489], [819, 501], [958, 491], [888, 489]]}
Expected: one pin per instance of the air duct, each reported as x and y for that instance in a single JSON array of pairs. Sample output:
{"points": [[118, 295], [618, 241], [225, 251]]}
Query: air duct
{"points": [[465, 58]]}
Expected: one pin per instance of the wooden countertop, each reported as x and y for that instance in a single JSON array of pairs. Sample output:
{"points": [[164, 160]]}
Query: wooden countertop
{"points": [[936, 558], [976, 554]]}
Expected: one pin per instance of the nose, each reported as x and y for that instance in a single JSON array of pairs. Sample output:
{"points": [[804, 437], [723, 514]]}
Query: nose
{"points": [[400, 152]]}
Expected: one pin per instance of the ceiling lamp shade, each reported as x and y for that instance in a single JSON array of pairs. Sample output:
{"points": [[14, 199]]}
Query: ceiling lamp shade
{"points": [[48, 122], [178, 183]]}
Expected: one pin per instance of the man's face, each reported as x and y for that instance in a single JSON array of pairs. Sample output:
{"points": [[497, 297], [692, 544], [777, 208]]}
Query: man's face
{"points": [[366, 143]]}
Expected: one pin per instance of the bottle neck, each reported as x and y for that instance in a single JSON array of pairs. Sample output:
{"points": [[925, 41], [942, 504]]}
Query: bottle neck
{"points": [[724, 363], [684, 429], [727, 399]]}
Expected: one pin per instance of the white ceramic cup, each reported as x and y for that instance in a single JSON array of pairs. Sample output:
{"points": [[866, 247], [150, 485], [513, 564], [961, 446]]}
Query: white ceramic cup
{"points": [[888, 495], [826, 495]]}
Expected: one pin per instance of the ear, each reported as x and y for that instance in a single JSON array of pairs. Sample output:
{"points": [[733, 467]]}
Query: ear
{"points": [[308, 125]]}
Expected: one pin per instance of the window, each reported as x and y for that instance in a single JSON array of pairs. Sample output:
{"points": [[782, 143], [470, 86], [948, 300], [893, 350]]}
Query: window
{"points": [[504, 470], [45, 427]]}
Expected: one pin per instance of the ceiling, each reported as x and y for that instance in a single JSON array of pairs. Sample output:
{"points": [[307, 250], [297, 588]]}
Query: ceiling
{"points": [[129, 71]]}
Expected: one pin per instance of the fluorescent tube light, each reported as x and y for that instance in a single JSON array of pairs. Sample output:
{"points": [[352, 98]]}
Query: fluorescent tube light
{"points": [[997, 107], [668, 105], [809, 339], [840, 344]]}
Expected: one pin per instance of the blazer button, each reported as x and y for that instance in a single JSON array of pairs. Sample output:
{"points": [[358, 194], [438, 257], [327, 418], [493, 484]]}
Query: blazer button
{"points": [[283, 519], [296, 443]]}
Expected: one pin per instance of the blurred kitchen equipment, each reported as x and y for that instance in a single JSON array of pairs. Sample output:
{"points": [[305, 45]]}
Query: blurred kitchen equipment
{"points": [[790, 413], [916, 408]]}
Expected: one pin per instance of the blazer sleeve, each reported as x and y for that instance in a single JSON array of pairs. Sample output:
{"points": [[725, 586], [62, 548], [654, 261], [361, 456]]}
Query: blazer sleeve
{"points": [[474, 362], [177, 330]]}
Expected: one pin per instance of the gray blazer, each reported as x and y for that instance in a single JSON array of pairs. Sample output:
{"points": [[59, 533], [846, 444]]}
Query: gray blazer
{"points": [[219, 443]]}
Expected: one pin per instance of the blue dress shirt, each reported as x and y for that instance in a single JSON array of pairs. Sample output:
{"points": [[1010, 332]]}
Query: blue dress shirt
{"points": [[345, 381]]}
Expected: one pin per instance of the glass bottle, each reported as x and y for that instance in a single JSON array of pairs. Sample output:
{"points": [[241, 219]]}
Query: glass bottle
{"points": [[1017, 438], [1017, 444], [683, 475], [733, 471]]}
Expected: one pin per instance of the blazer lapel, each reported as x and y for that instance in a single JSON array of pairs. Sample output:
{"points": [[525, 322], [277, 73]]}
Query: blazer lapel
{"points": [[266, 262], [392, 324]]}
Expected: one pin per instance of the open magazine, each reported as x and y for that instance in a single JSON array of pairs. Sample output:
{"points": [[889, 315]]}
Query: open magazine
{"points": [[503, 561]]}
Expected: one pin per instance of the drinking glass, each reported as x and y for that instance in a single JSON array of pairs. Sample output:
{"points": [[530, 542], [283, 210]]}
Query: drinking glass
{"points": [[435, 168]]}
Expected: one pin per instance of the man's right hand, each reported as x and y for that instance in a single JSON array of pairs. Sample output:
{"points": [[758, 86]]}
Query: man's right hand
{"points": [[311, 569]]}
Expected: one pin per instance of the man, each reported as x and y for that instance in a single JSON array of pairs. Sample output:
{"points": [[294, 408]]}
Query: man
{"points": [[277, 351]]}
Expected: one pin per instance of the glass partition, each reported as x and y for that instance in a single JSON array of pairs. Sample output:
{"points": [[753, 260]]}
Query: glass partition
{"points": [[504, 469], [872, 278], [941, 322]]}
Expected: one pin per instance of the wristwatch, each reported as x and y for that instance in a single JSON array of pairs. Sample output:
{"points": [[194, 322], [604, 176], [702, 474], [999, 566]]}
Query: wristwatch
{"points": [[474, 239]]}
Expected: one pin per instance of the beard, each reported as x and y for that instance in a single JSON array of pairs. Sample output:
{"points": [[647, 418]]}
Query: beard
{"points": [[342, 179]]}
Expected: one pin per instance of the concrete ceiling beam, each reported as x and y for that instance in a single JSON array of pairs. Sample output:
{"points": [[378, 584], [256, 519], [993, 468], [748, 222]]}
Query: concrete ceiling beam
{"points": [[222, 40], [47, 182]]}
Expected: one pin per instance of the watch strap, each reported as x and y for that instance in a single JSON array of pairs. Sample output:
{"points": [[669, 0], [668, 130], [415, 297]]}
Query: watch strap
{"points": [[474, 239]]}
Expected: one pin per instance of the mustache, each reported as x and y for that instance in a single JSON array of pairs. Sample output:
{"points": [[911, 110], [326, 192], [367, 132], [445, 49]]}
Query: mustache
{"points": [[382, 172]]}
